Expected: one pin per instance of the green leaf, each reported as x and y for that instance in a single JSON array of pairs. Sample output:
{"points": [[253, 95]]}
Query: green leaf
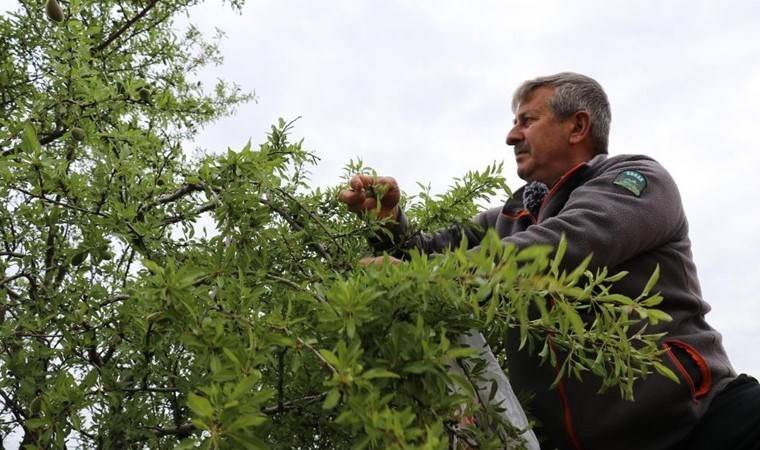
{"points": [[418, 367], [652, 281], [654, 300], [578, 271], [378, 373], [616, 298], [559, 254], [29, 142], [247, 421], [330, 357], [153, 267], [572, 315], [38, 422], [617, 277], [331, 400], [461, 352], [655, 316], [232, 357], [533, 252], [665, 371], [200, 405], [491, 310]]}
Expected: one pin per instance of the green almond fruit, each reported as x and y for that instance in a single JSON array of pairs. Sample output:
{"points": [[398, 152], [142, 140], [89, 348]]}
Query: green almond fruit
{"points": [[78, 134], [79, 257], [144, 94], [54, 11]]}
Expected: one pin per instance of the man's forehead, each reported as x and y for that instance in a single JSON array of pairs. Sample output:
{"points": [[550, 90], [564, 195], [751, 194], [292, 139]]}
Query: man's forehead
{"points": [[534, 100]]}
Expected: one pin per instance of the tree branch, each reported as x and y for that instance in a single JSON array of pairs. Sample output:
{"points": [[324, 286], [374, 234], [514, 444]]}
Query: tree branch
{"points": [[48, 138], [179, 193], [18, 413], [295, 286], [59, 203], [294, 404], [199, 210], [13, 254], [7, 280], [114, 299], [115, 35]]}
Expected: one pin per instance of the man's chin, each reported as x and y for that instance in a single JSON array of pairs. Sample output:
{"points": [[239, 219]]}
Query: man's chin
{"points": [[524, 173]]}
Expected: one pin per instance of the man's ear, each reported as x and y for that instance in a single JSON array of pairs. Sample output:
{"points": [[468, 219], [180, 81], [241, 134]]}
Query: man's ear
{"points": [[581, 127]]}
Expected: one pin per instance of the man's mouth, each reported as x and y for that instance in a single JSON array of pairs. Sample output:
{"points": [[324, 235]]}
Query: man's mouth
{"points": [[522, 150]]}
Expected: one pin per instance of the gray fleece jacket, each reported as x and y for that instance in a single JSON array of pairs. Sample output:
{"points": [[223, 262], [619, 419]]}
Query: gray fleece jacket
{"points": [[626, 211]]}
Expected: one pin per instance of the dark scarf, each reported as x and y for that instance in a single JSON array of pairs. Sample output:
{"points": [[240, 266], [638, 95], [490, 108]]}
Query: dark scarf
{"points": [[533, 195]]}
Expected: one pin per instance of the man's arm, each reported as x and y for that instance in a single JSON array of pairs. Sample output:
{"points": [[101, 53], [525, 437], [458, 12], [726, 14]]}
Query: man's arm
{"points": [[400, 240]]}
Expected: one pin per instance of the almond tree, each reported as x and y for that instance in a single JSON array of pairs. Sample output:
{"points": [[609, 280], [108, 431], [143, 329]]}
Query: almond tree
{"points": [[150, 299]]}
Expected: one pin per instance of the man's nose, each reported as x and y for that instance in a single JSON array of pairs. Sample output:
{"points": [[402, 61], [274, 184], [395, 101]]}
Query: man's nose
{"points": [[514, 136]]}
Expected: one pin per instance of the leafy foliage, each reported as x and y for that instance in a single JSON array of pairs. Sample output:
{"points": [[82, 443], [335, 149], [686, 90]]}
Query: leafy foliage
{"points": [[124, 324], [460, 202]]}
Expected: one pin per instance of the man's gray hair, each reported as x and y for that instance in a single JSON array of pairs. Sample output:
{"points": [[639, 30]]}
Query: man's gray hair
{"points": [[573, 92]]}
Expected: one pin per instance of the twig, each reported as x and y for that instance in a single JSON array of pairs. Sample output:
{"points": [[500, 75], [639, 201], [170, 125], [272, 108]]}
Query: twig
{"points": [[294, 285], [13, 406], [52, 136], [115, 35], [13, 277], [199, 210], [179, 193], [313, 217], [114, 299], [13, 254], [294, 404], [454, 434], [293, 223], [59, 203]]}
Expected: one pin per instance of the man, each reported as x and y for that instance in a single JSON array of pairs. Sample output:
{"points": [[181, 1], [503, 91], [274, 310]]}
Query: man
{"points": [[626, 211]]}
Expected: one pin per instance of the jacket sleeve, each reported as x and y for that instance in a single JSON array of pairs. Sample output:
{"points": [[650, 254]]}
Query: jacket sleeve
{"points": [[400, 240], [610, 221]]}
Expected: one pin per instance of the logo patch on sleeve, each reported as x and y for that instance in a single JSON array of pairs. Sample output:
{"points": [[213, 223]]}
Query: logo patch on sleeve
{"points": [[632, 180]]}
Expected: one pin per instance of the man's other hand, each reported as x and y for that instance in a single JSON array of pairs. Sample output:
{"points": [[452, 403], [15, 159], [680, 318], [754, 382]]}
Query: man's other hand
{"points": [[365, 192]]}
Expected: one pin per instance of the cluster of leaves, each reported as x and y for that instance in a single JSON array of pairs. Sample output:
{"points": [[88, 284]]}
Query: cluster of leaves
{"points": [[460, 202], [124, 325]]}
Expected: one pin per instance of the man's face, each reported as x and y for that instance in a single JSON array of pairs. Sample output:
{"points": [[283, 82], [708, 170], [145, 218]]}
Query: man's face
{"points": [[540, 141]]}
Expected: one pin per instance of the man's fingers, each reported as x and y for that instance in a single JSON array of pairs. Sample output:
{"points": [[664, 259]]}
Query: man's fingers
{"points": [[367, 261], [370, 203], [392, 192], [362, 197], [378, 261], [356, 183], [367, 180], [353, 199], [350, 197], [389, 181]]}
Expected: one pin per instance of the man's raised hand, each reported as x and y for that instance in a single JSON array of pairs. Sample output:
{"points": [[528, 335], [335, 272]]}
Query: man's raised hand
{"points": [[365, 192]]}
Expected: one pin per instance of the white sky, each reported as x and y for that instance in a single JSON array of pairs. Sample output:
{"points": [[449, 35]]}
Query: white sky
{"points": [[420, 90]]}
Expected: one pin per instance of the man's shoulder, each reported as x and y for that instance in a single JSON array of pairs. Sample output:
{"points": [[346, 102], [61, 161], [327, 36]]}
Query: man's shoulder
{"points": [[633, 172], [603, 164]]}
